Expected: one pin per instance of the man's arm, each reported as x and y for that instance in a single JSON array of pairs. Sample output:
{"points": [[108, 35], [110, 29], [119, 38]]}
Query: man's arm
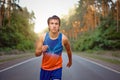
{"points": [[39, 45], [68, 49]]}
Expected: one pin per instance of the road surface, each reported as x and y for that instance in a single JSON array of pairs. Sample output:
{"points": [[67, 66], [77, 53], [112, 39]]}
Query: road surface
{"points": [[82, 69]]}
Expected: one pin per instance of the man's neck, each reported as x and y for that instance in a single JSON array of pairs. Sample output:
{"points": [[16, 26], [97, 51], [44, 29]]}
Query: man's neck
{"points": [[53, 35]]}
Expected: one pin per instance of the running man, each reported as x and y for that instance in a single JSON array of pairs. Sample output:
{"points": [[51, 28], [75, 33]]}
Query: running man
{"points": [[51, 44]]}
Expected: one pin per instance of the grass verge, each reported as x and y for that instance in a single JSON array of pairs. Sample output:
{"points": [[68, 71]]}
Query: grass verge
{"points": [[14, 57], [107, 56]]}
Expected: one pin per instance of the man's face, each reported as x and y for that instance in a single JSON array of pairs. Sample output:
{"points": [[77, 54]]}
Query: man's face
{"points": [[54, 25]]}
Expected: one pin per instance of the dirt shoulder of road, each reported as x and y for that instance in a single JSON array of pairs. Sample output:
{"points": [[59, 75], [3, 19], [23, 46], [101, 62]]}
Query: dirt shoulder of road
{"points": [[9, 60], [104, 58]]}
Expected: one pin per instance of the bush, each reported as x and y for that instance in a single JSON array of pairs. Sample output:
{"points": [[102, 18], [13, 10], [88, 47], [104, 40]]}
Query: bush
{"points": [[25, 45], [102, 38]]}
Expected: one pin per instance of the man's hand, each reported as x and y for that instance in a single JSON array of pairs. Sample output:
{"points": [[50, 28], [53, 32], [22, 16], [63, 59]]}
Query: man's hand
{"points": [[44, 48], [69, 64]]}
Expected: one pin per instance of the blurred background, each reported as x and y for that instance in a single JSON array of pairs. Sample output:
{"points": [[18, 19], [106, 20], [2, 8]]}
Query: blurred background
{"points": [[92, 26], [89, 24]]}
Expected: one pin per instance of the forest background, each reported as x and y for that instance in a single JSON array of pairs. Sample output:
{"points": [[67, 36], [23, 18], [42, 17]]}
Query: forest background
{"points": [[91, 25]]}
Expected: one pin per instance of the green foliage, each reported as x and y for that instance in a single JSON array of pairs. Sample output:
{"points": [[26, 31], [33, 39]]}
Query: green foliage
{"points": [[88, 41], [25, 45], [97, 28], [20, 33], [105, 37]]}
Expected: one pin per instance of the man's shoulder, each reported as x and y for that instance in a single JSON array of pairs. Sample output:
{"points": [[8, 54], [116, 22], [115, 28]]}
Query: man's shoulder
{"points": [[43, 35], [64, 39], [64, 36]]}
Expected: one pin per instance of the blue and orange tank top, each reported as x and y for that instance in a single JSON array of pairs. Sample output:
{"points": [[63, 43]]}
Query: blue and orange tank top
{"points": [[52, 58]]}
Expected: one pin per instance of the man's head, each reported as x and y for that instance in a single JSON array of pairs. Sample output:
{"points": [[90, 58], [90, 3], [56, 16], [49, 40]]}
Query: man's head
{"points": [[53, 17], [53, 23]]}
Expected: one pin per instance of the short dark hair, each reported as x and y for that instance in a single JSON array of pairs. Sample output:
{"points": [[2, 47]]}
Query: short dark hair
{"points": [[53, 17]]}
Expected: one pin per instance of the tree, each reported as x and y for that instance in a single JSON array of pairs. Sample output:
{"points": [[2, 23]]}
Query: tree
{"points": [[21, 34], [6, 8], [2, 11], [118, 12]]}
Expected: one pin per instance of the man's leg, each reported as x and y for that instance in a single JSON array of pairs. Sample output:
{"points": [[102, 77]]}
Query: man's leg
{"points": [[57, 74], [45, 75]]}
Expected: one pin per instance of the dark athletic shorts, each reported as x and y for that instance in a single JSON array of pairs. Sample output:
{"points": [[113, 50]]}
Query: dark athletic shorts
{"points": [[51, 75]]}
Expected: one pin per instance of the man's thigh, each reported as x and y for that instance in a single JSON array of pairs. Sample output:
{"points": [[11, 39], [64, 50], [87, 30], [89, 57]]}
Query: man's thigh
{"points": [[57, 74], [45, 75]]}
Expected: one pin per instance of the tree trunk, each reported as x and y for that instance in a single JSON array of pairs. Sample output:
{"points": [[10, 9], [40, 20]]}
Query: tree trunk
{"points": [[2, 12], [117, 15]]}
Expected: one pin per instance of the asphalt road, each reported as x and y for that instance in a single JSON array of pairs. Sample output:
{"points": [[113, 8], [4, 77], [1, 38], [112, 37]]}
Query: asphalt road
{"points": [[82, 69]]}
